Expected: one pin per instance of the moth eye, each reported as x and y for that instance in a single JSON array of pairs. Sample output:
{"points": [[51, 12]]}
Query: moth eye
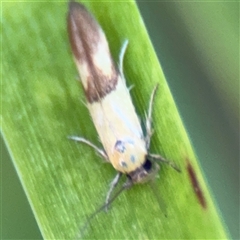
{"points": [[147, 165], [120, 146]]}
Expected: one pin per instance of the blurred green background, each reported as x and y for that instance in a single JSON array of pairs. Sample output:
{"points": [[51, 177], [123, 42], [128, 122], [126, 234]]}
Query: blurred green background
{"points": [[198, 46]]}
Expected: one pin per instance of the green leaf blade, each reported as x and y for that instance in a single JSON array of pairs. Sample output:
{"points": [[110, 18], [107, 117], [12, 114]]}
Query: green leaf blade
{"points": [[65, 181]]}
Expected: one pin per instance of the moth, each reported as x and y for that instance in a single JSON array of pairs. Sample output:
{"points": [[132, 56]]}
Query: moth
{"points": [[109, 102]]}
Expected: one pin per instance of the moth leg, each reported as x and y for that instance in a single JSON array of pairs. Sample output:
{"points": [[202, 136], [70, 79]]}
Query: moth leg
{"points": [[159, 158], [98, 150], [113, 184], [149, 130], [121, 57]]}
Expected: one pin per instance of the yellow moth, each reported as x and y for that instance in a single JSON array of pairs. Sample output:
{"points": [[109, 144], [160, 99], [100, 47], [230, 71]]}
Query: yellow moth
{"points": [[109, 102]]}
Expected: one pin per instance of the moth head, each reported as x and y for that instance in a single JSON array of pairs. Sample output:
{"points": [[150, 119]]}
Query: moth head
{"points": [[145, 172]]}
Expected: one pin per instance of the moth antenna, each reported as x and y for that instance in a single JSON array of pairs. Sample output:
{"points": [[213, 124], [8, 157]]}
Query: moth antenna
{"points": [[125, 186]]}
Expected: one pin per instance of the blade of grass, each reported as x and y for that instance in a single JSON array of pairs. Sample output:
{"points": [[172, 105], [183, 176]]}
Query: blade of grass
{"points": [[65, 181]]}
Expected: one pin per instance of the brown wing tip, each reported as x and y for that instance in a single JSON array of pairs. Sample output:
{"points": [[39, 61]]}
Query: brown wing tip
{"points": [[75, 6]]}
